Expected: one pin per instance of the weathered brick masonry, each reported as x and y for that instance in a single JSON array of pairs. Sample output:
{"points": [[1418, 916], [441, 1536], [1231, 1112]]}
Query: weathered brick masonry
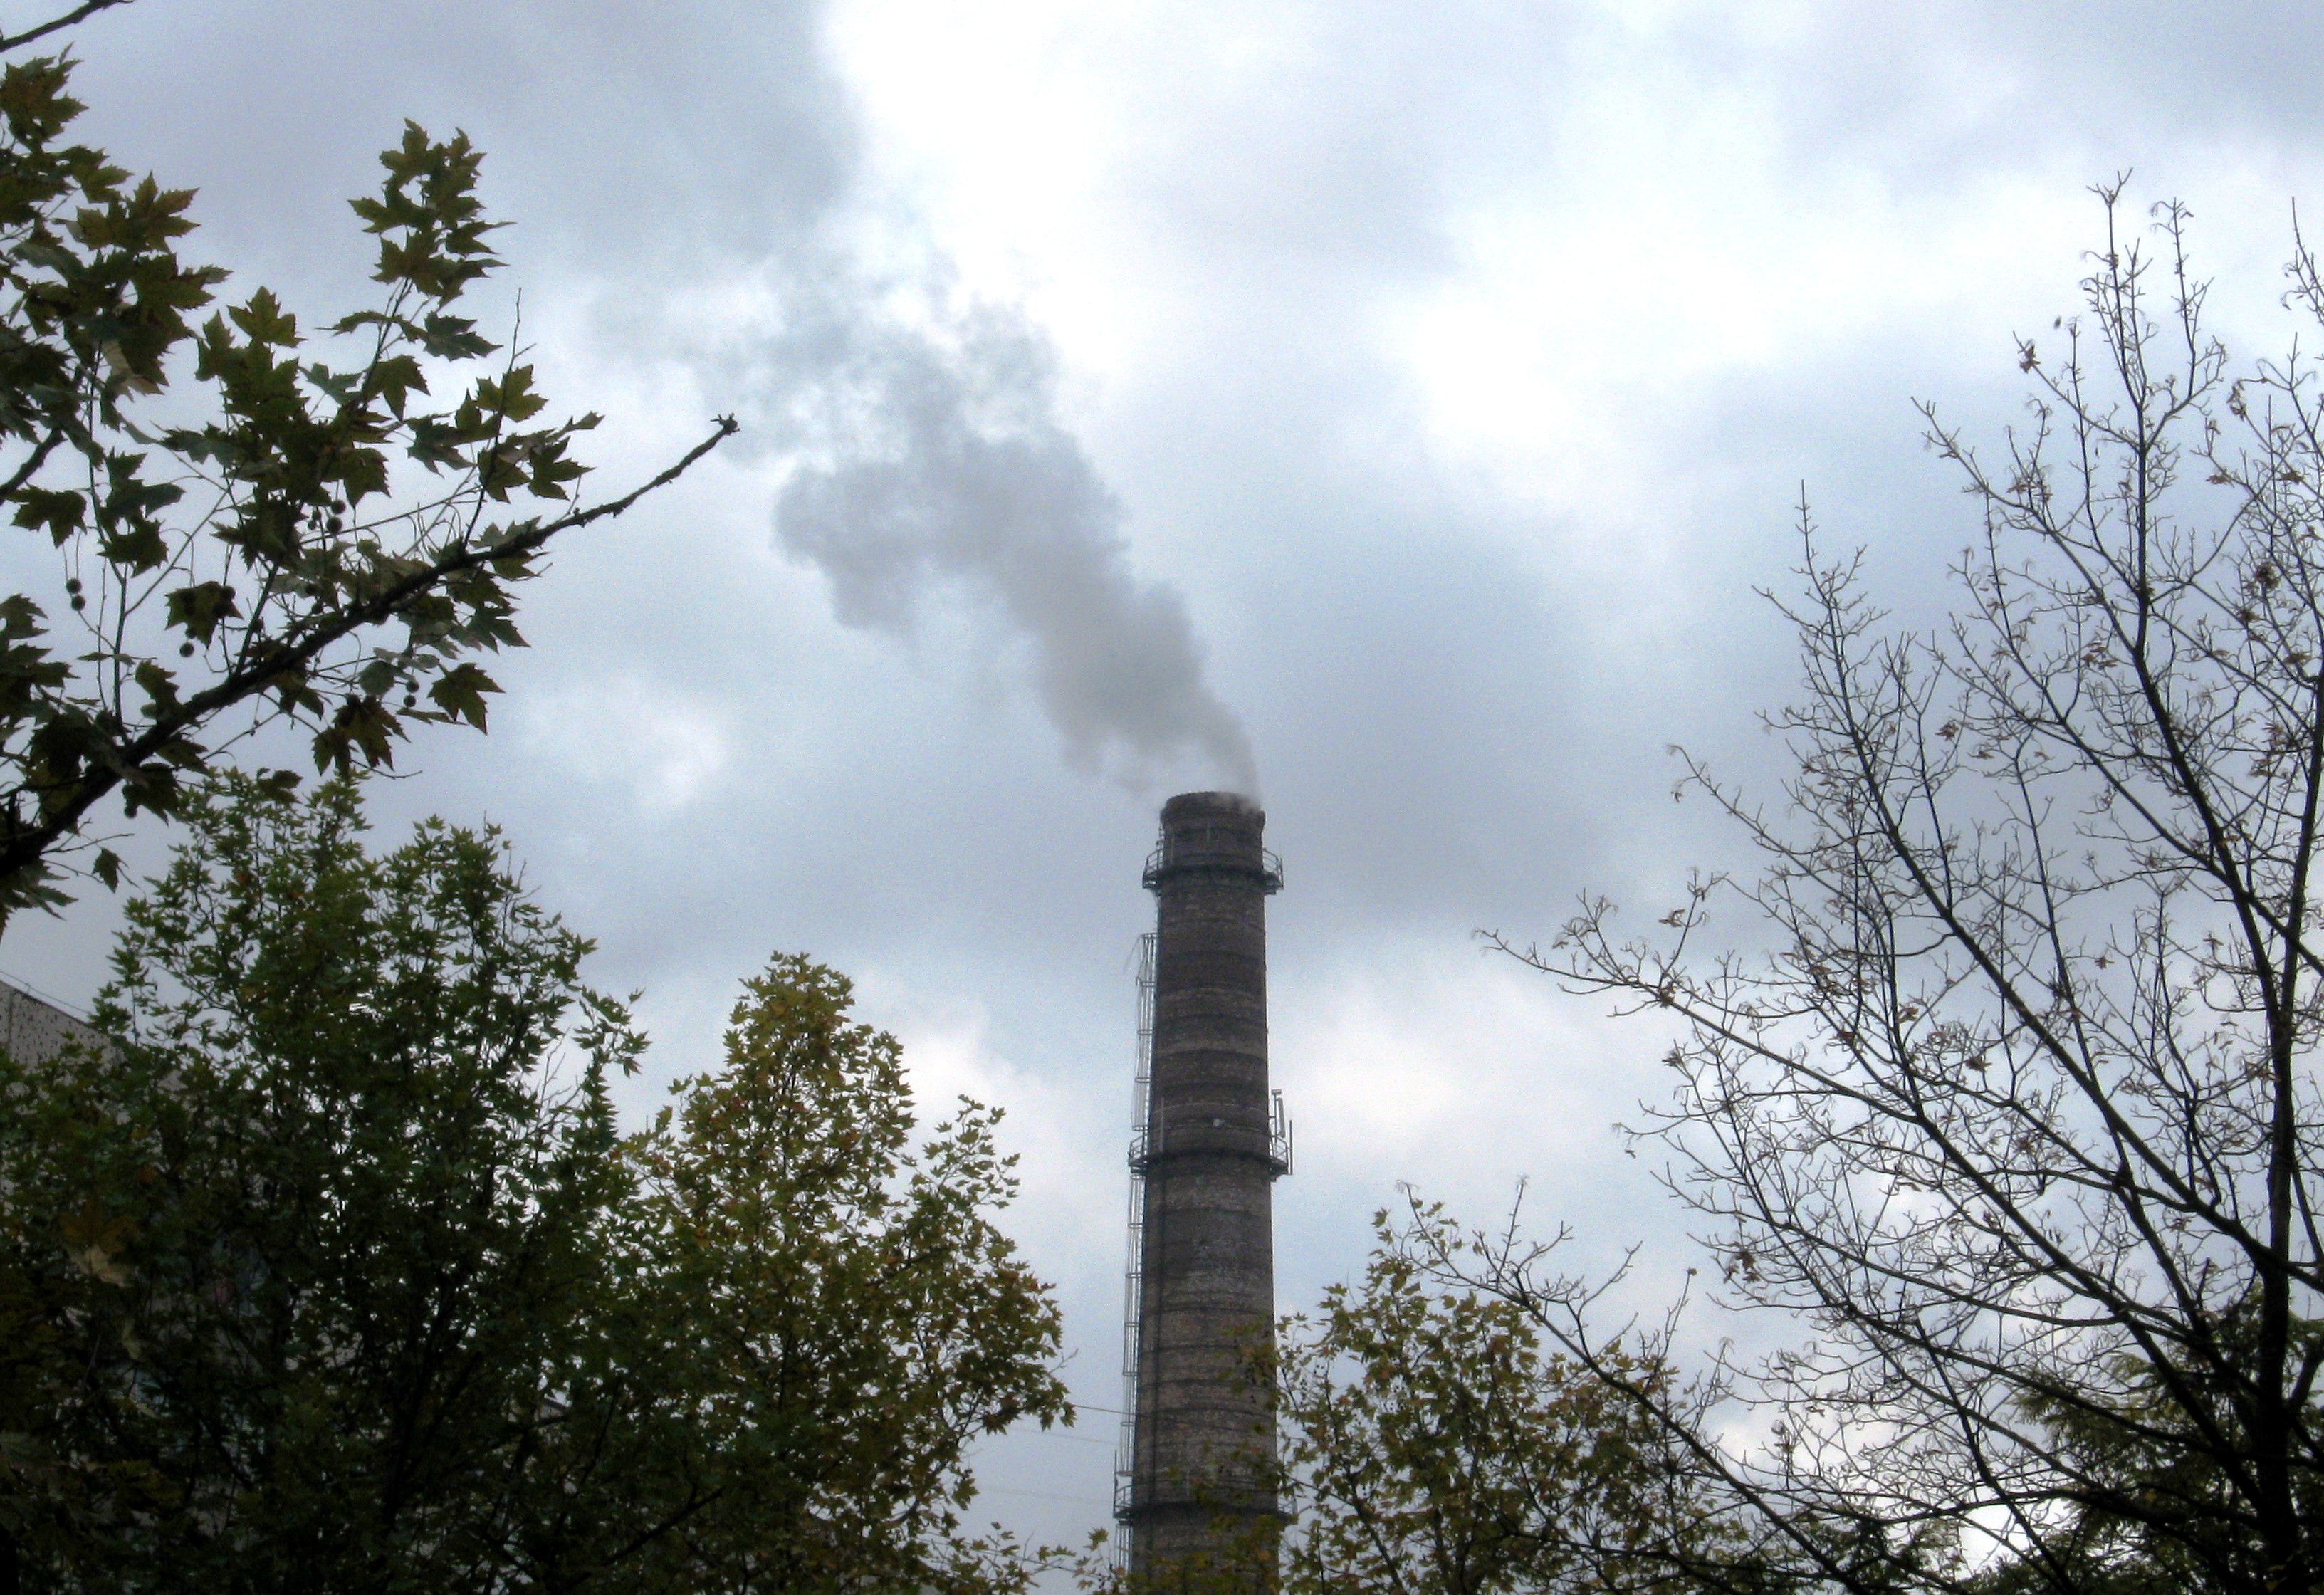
{"points": [[1203, 1447]]}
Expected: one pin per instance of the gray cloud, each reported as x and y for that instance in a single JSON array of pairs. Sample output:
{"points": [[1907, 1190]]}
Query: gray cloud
{"points": [[1462, 670], [957, 475], [616, 138]]}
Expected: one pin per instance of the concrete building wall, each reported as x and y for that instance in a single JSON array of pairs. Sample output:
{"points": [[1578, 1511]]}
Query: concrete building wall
{"points": [[1203, 1440], [31, 1031]]}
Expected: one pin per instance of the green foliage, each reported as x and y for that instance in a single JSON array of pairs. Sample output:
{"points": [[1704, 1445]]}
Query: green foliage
{"points": [[1434, 1449], [285, 1277], [307, 530], [2151, 1508], [824, 1318], [335, 1274]]}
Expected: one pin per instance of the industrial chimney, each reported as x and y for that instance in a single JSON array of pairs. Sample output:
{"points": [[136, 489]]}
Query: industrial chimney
{"points": [[1195, 1480]]}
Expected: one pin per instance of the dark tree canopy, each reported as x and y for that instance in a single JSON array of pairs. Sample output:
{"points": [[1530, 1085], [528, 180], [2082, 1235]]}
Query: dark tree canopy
{"points": [[824, 1318], [337, 1273]]}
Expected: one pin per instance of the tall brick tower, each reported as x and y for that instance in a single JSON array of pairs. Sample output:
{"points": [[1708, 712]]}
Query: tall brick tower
{"points": [[1196, 1479]]}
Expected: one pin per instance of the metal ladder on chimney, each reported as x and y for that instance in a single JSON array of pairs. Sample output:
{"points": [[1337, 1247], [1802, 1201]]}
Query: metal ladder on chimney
{"points": [[1133, 1271]]}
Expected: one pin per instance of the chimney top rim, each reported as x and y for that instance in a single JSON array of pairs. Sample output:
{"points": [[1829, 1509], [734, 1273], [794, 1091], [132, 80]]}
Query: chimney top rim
{"points": [[1219, 803]]}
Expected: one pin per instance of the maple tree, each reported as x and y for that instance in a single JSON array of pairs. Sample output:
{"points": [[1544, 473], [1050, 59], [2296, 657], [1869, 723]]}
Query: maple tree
{"points": [[253, 521]]}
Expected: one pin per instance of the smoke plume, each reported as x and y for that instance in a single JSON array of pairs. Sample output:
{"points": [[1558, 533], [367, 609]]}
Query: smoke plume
{"points": [[953, 473]]}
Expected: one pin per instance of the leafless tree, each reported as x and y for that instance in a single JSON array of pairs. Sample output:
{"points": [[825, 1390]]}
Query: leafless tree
{"points": [[2017, 1108]]}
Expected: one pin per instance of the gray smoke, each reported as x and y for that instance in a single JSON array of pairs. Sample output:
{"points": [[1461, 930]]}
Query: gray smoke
{"points": [[952, 472]]}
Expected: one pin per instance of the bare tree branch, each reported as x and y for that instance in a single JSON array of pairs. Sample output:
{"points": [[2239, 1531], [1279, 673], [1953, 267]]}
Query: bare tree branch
{"points": [[2020, 1112], [57, 24]]}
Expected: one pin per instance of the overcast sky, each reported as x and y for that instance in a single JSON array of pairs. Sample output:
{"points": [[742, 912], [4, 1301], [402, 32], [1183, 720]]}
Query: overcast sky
{"points": [[1396, 404]]}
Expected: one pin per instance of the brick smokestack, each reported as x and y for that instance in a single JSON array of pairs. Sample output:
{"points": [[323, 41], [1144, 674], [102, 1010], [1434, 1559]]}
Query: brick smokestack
{"points": [[1202, 1441]]}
